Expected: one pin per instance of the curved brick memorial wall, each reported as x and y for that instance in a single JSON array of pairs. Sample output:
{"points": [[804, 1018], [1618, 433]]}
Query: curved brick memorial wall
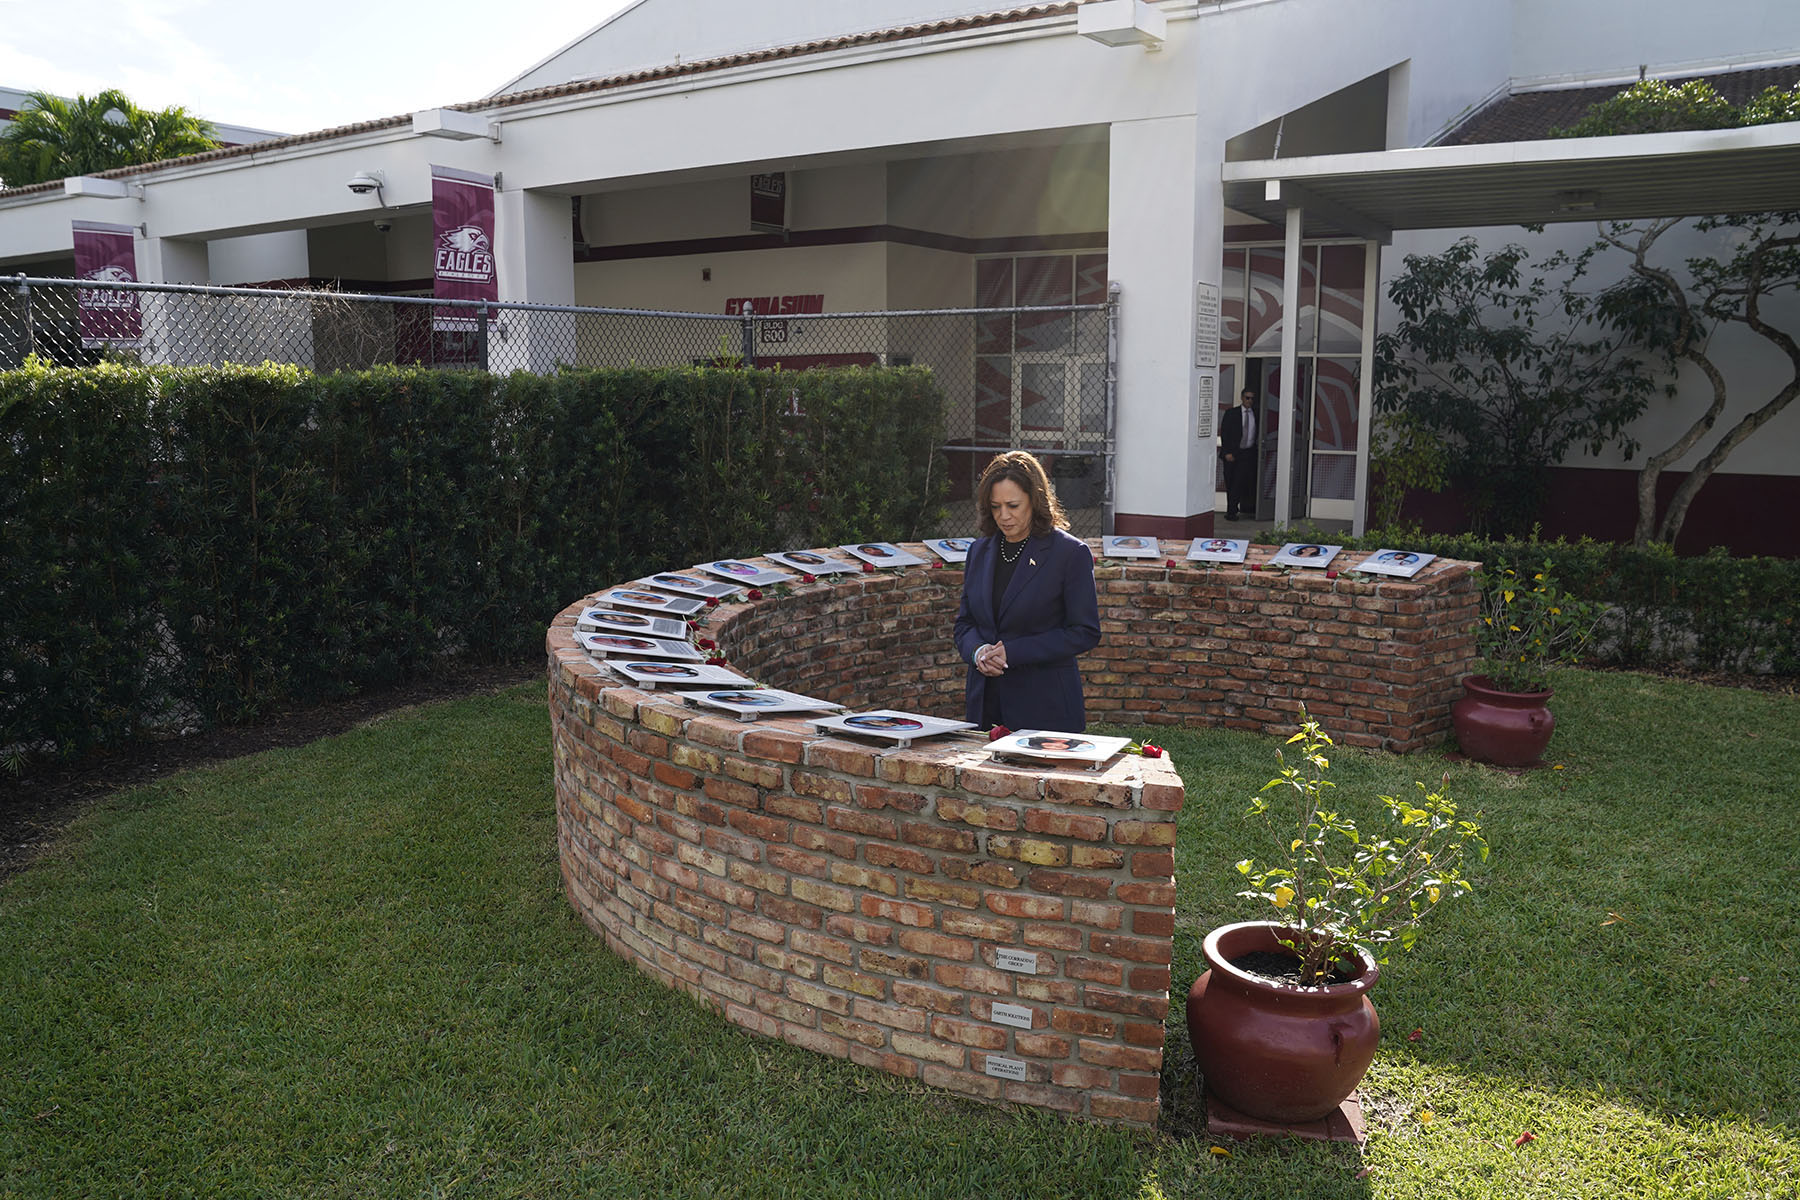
{"points": [[1004, 931]]}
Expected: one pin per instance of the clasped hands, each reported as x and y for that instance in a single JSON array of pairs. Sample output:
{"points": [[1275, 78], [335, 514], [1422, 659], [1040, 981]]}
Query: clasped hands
{"points": [[990, 659]]}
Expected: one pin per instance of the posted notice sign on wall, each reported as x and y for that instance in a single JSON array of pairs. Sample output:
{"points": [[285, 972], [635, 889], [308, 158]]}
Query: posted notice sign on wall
{"points": [[1206, 324]]}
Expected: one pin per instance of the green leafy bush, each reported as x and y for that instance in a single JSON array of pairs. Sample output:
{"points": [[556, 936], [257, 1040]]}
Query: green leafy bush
{"points": [[1713, 611], [193, 545]]}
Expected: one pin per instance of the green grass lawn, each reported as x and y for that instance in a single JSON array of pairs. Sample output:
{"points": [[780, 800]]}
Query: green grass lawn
{"points": [[348, 970]]}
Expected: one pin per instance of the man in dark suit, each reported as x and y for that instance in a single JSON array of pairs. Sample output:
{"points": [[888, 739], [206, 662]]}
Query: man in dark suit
{"points": [[1237, 450], [1028, 605]]}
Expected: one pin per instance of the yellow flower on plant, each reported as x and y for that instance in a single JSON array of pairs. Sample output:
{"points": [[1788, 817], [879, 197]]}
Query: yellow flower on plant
{"points": [[1283, 894]]}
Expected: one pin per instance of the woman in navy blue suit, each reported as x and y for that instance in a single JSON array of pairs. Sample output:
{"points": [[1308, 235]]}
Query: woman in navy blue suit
{"points": [[1028, 604]]}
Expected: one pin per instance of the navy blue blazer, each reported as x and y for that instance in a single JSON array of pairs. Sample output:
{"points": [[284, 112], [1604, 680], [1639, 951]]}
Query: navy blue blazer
{"points": [[1049, 615]]}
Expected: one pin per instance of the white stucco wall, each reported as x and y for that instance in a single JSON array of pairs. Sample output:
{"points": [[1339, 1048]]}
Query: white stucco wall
{"points": [[1556, 39]]}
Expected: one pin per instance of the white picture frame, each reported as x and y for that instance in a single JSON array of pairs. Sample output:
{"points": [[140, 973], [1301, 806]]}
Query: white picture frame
{"points": [[888, 725], [617, 620], [952, 549], [1305, 554], [810, 562], [646, 600], [689, 585], [652, 674], [1215, 549], [606, 644], [745, 574], [749, 704], [1130, 545], [1401, 563], [882, 555], [1047, 745]]}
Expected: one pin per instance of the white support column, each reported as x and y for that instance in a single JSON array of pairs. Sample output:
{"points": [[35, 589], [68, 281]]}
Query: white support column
{"points": [[1164, 234], [179, 330], [1365, 391], [535, 251], [1288, 404]]}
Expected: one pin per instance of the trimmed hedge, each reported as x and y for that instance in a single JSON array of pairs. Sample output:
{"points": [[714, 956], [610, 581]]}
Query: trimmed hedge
{"points": [[1714, 612], [185, 546]]}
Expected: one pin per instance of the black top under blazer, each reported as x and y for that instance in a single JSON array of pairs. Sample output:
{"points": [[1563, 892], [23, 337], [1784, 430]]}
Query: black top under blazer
{"points": [[1049, 615]]}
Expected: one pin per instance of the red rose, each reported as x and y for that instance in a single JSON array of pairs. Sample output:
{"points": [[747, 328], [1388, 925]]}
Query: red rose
{"points": [[1256, 566], [1152, 751], [938, 563], [869, 568], [1331, 574], [998, 732], [708, 644], [712, 602], [809, 579], [1170, 564], [755, 593], [717, 660]]}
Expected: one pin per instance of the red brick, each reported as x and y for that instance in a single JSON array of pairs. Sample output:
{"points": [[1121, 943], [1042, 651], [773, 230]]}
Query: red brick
{"points": [[936, 837], [1028, 850], [840, 844], [854, 876], [824, 895], [968, 1033], [870, 796], [824, 787], [775, 744], [1062, 883], [1041, 1045], [867, 932], [1068, 1020], [1096, 858], [730, 791], [921, 941], [1069, 825], [791, 913], [985, 928], [982, 816], [919, 995], [936, 891], [1128, 1058], [673, 776], [867, 824], [929, 1050], [1147, 864], [1160, 924], [879, 855], [1144, 1033], [1144, 833], [1030, 908], [994, 874], [841, 756], [797, 862], [898, 911], [1148, 979], [973, 979], [1094, 970], [793, 807]]}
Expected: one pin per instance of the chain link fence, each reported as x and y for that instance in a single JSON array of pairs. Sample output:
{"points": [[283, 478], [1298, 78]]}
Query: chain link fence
{"points": [[1033, 378]]}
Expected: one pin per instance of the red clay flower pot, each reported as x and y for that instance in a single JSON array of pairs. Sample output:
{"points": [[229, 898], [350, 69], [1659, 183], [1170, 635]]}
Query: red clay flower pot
{"points": [[1507, 729], [1277, 1051]]}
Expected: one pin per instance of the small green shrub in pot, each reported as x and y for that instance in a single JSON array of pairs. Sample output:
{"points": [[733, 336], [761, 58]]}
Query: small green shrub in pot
{"points": [[1529, 624], [1335, 887]]}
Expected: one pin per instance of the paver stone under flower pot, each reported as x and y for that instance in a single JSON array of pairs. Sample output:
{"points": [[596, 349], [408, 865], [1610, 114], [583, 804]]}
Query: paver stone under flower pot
{"points": [[1507, 729], [1278, 1051]]}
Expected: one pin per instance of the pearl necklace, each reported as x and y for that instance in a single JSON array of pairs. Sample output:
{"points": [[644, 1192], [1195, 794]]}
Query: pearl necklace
{"points": [[1012, 558]]}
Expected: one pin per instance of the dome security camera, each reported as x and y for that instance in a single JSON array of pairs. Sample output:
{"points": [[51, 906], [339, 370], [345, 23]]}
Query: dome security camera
{"points": [[364, 182], [383, 226]]}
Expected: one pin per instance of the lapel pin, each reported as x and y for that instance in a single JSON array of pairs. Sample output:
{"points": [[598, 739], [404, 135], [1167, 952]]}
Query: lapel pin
{"points": [[1034, 562]]}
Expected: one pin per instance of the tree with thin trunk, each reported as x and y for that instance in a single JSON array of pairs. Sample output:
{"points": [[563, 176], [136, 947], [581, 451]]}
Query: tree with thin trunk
{"points": [[1748, 286], [53, 138], [1659, 310]]}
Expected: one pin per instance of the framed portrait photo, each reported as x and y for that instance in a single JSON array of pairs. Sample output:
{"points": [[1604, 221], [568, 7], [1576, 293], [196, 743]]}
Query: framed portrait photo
{"points": [[691, 585], [745, 574], [1304, 554], [1227, 550], [747, 704], [883, 554], [1046, 745], [605, 644], [645, 600], [888, 725], [952, 549], [651, 674], [617, 620], [1402, 563], [1130, 546], [810, 562]]}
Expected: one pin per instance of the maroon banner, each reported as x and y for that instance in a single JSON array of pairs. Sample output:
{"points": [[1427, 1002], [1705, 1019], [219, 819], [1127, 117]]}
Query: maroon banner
{"points": [[108, 254], [462, 211], [768, 202]]}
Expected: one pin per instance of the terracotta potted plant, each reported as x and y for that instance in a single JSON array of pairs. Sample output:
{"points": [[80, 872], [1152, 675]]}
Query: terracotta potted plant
{"points": [[1527, 625], [1281, 1022]]}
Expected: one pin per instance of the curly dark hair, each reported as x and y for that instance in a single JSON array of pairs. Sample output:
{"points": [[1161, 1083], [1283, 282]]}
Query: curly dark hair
{"points": [[1025, 470]]}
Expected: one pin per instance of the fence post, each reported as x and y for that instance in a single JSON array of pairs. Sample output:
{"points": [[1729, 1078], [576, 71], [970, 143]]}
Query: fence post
{"points": [[481, 333], [30, 325], [749, 336], [1112, 400]]}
